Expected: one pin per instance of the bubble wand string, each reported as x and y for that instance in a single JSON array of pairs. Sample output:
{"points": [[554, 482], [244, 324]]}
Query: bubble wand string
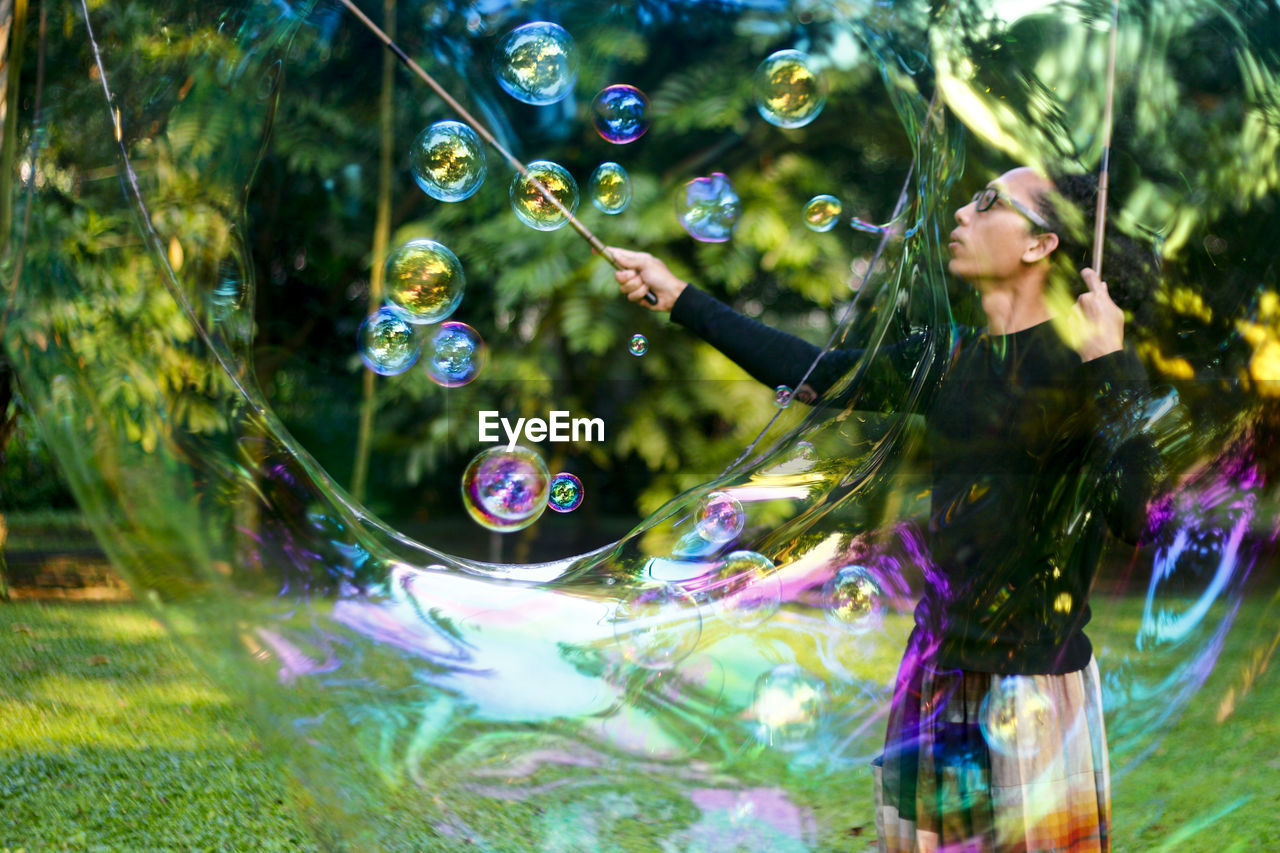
{"points": [[488, 137], [1100, 216]]}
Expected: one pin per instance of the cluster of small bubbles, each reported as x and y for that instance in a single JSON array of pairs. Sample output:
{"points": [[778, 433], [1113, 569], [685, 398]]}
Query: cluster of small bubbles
{"points": [[535, 209], [566, 492], [747, 591], [708, 208], [388, 344], [658, 626], [789, 705], [782, 396], [720, 517], [506, 488], [610, 188], [447, 161], [456, 355], [790, 89], [1016, 715], [853, 599], [638, 345], [822, 212], [537, 63], [619, 113], [424, 281]]}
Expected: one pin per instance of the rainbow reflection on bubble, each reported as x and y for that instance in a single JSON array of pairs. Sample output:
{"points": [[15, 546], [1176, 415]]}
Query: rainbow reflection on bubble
{"points": [[535, 209], [388, 344], [708, 208], [448, 161], [537, 63], [619, 113], [853, 599], [455, 354], [1016, 715], [610, 188], [638, 345], [790, 89], [720, 517], [789, 706], [425, 281], [821, 213], [506, 488], [566, 492], [782, 396]]}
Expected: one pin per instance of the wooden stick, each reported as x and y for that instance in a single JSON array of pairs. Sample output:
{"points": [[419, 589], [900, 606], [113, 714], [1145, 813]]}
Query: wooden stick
{"points": [[488, 137], [1100, 216]]}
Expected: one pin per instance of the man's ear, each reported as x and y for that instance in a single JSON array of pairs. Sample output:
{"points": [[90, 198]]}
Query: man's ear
{"points": [[1042, 247]]}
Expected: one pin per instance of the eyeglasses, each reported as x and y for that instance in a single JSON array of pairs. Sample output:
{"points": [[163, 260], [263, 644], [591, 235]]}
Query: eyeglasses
{"points": [[985, 198]]}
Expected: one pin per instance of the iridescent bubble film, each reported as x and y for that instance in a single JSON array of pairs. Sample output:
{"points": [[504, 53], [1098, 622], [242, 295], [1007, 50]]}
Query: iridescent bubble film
{"points": [[619, 113], [505, 488], [610, 188], [532, 206], [424, 281], [790, 89], [821, 213], [388, 345], [782, 396], [566, 492], [448, 161], [708, 208], [537, 63], [638, 345], [196, 212], [455, 354]]}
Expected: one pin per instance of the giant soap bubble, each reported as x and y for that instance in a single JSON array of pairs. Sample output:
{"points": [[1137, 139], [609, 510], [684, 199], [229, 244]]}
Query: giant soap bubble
{"points": [[448, 161], [193, 215], [537, 63]]}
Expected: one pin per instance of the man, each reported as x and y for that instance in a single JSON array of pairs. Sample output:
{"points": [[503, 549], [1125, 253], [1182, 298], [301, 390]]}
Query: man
{"points": [[998, 637]]}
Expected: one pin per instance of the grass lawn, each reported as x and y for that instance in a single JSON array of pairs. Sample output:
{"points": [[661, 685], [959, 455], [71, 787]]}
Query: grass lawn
{"points": [[113, 740]]}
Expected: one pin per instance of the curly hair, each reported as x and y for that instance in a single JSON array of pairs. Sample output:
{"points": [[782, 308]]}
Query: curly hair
{"points": [[1130, 267]]}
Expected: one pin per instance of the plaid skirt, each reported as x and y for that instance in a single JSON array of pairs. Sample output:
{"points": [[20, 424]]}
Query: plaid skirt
{"points": [[982, 763]]}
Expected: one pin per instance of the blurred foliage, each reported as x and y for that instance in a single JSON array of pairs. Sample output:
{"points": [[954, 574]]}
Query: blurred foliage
{"points": [[272, 247]]}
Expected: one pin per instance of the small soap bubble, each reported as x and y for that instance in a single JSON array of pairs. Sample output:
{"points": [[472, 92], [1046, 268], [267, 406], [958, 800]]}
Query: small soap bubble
{"points": [[853, 599], [822, 212], [708, 208], [790, 89], [455, 355], [506, 488], [656, 627], [746, 589], [566, 492], [388, 344], [537, 63], [610, 188], [424, 281], [532, 207], [639, 345], [447, 161], [782, 396], [1016, 716], [619, 113], [720, 517], [788, 706]]}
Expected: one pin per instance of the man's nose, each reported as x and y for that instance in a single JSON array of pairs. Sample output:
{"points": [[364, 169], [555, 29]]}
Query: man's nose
{"points": [[963, 212]]}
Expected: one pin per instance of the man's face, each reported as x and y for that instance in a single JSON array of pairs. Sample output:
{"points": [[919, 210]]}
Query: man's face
{"points": [[997, 244]]}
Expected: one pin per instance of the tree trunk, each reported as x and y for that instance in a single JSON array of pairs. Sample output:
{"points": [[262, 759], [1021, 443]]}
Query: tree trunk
{"points": [[381, 236]]}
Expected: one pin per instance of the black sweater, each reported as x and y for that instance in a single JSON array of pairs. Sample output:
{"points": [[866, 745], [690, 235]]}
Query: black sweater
{"points": [[1016, 525]]}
